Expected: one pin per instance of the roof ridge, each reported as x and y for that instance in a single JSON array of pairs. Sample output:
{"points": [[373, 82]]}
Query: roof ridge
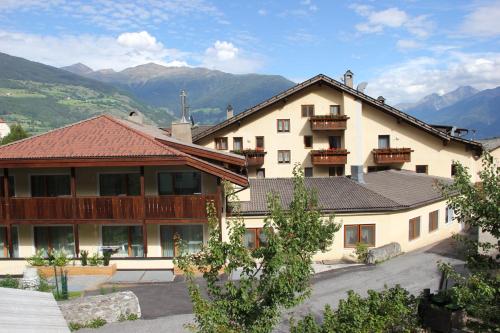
{"points": [[53, 130]]}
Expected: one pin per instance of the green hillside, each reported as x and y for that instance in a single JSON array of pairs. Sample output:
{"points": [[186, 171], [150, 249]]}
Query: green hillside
{"points": [[41, 97]]}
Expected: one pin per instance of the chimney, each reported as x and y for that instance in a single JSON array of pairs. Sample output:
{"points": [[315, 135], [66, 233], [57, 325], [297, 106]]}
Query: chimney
{"points": [[381, 99], [357, 173], [181, 130], [229, 111], [348, 78], [136, 117]]}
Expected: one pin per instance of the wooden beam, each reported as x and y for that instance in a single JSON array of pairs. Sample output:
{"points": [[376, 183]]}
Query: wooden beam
{"points": [[76, 237], [92, 162], [9, 240], [7, 210], [145, 239]]}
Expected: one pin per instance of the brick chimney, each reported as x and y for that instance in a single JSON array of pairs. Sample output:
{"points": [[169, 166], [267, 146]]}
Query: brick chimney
{"points": [[348, 78], [181, 130], [229, 111]]}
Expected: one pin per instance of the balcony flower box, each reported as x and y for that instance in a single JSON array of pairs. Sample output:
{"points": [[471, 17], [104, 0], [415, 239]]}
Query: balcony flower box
{"points": [[328, 122], [392, 155], [336, 156], [255, 157]]}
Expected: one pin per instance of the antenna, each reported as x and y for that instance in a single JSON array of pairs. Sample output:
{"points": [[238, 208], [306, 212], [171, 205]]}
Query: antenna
{"points": [[361, 87], [184, 107]]}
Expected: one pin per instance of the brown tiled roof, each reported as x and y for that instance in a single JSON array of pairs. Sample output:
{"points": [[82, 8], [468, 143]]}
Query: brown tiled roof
{"points": [[323, 79], [383, 191], [98, 137]]}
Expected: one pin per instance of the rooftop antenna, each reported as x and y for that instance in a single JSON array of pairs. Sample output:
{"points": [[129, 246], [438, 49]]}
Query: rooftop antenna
{"points": [[184, 107]]}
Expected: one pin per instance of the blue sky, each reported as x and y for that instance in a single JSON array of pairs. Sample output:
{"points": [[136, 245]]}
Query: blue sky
{"points": [[404, 49]]}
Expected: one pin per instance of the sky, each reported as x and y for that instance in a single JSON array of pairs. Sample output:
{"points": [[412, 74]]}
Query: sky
{"points": [[404, 49]]}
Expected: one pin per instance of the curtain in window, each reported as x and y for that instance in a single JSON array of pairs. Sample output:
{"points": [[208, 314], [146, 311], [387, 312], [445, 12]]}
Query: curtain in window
{"points": [[383, 141], [367, 235], [249, 240], [351, 235], [192, 235], [167, 240], [55, 239], [3, 243]]}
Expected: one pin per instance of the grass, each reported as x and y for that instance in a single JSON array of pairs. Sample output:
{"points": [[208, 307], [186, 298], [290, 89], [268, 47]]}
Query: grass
{"points": [[95, 323]]}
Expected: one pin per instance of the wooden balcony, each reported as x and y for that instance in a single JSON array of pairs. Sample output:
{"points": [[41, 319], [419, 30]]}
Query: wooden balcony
{"points": [[392, 155], [255, 157], [329, 157], [108, 209], [328, 123]]}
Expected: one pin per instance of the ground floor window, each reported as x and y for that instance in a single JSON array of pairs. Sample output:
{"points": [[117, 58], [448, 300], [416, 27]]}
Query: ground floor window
{"points": [[123, 241], [359, 233], [4, 244], [450, 214], [433, 220], [254, 238], [192, 235], [58, 238], [414, 228], [336, 171]]}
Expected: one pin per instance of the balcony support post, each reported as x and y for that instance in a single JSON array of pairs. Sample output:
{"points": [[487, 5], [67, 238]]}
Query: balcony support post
{"points": [[218, 204], [7, 210], [143, 214], [73, 211], [76, 236]]}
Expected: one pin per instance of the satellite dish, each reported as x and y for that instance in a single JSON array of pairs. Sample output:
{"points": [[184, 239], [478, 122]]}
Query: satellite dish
{"points": [[361, 87]]}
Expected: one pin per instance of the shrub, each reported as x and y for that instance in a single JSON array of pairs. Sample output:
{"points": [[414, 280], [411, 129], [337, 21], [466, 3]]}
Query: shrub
{"points": [[106, 258], [361, 252], [44, 285], [59, 258], [95, 260], [84, 254], [9, 282], [38, 259], [95, 323]]}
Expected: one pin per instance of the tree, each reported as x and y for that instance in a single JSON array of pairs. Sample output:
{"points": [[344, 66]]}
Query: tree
{"points": [[273, 277], [17, 132], [479, 206]]}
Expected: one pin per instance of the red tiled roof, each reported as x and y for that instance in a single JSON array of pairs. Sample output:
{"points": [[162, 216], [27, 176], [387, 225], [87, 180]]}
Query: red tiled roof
{"points": [[99, 137]]}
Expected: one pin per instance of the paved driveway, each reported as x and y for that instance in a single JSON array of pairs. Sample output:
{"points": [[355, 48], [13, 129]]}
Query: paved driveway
{"points": [[414, 271]]}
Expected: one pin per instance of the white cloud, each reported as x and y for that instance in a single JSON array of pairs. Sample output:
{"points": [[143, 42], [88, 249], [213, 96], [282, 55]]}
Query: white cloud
{"points": [[392, 18], [225, 56], [413, 79], [139, 41], [483, 21], [262, 12], [406, 44]]}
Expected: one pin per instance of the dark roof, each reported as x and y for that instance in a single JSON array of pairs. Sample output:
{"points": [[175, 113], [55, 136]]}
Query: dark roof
{"points": [[321, 78], [382, 191], [491, 143], [195, 130]]}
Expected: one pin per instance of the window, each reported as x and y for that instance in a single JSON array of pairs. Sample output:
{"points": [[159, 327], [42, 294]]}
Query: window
{"points": [[119, 184], [384, 141], [359, 233], [335, 110], [283, 125], [450, 215], [336, 171], [238, 144], [259, 142], [123, 241], [221, 143], [192, 235], [261, 173], [308, 172], [179, 183], [4, 244], [283, 156], [335, 142], [50, 185], [421, 168], [433, 220], [254, 238], [453, 169], [54, 239], [375, 168], [414, 227], [308, 141], [307, 110], [11, 187]]}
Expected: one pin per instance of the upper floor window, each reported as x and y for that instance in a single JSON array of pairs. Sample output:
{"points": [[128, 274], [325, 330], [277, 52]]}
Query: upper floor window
{"points": [[414, 228], [179, 183], [308, 172], [336, 171], [359, 233], [283, 156], [238, 143], [450, 215], [384, 141], [307, 110], [335, 142], [119, 184], [259, 142], [433, 220], [221, 143], [421, 168], [335, 110], [453, 169], [11, 187], [261, 173], [283, 125], [50, 185], [308, 141]]}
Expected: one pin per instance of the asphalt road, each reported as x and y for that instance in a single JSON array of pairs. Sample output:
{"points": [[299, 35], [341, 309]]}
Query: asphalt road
{"points": [[166, 308]]}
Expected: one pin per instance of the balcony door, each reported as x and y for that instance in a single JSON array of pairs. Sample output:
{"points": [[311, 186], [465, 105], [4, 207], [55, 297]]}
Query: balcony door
{"points": [[119, 184], [56, 238], [335, 142], [179, 183], [50, 185]]}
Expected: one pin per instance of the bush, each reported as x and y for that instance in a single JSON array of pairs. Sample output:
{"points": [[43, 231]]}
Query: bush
{"points": [[95, 260], [361, 252], [9, 282], [391, 310], [83, 257], [38, 259], [95, 323], [59, 258], [106, 258]]}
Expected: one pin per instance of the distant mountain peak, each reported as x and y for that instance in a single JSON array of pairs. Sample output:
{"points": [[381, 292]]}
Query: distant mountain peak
{"points": [[78, 68], [435, 101]]}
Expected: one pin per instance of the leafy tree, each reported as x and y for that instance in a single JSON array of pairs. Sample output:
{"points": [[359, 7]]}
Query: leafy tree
{"points": [[391, 310], [272, 278], [479, 206], [17, 132]]}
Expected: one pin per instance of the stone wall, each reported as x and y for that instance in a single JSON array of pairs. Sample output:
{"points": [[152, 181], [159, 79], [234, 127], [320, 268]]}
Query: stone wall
{"points": [[383, 253]]}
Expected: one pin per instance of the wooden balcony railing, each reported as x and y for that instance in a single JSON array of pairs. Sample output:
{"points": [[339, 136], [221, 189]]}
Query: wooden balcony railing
{"points": [[392, 155], [329, 157], [328, 122], [255, 157], [177, 207]]}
